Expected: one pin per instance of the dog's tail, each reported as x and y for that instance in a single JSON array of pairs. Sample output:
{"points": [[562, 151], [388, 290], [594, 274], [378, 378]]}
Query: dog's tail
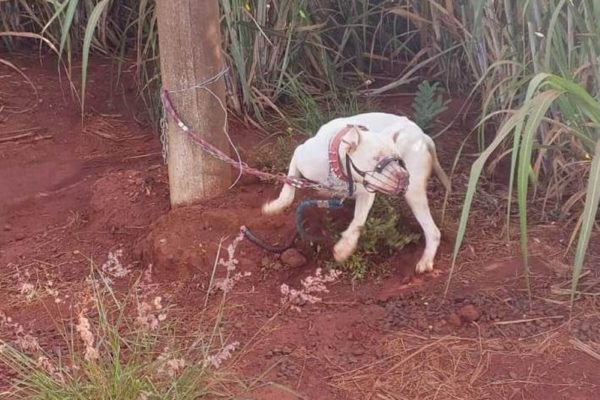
{"points": [[437, 168]]}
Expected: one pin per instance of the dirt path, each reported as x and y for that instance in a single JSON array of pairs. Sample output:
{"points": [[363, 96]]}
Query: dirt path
{"points": [[69, 191]]}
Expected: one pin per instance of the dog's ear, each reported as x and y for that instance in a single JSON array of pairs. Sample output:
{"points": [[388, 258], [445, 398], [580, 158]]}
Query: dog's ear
{"points": [[396, 136], [352, 140]]}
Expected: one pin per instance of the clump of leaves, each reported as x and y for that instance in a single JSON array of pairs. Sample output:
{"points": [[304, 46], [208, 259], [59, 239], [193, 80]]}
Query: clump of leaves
{"points": [[357, 265], [428, 104], [383, 234], [383, 231]]}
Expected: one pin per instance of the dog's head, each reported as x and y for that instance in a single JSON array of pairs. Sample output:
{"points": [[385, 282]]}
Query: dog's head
{"points": [[372, 160]]}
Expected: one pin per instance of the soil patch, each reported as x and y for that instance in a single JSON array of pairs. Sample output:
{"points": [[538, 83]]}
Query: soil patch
{"points": [[92, 188]]}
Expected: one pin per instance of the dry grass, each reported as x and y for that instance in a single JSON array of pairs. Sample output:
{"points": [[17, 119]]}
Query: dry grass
{"points": [[420, 367], [450, 367]]}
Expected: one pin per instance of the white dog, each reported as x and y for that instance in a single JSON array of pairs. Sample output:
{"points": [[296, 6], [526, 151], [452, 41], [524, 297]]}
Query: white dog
{"points": [[375, 137]]}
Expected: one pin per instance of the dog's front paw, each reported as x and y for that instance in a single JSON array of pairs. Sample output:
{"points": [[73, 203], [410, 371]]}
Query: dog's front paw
{"points": [[424, 266], [343, 249]]}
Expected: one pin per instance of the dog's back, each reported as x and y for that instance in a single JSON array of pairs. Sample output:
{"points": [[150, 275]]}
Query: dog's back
{"points": [[374, 121]]}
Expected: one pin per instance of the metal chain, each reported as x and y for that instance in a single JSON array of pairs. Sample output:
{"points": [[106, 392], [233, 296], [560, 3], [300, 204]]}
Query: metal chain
{"points": [[163, 135]]}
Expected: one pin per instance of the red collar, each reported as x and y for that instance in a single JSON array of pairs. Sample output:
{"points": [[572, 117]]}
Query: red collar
{"points": [[334, 150]]}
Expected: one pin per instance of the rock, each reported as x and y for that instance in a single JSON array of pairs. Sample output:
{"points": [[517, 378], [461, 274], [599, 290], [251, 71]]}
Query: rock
{"points": [[293, 258], [469, 313]]}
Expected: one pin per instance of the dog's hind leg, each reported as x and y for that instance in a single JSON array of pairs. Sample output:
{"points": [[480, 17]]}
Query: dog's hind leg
{"points": [[347, 244], [286, 197]]}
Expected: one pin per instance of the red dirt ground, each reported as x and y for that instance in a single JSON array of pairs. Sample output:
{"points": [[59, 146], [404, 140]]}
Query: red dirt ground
{"points": [[72, 189]]}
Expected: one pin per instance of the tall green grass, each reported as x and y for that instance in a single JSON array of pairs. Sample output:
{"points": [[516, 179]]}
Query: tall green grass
{"points": [[538, 74]]}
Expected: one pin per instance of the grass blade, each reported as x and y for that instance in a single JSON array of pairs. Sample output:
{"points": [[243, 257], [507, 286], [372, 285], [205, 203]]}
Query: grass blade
{"points": [[66, 23], [592, 201], [87, 40], [537, 109]]}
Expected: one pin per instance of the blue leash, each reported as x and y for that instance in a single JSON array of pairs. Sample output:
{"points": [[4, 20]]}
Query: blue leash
{"points": [[299, 219]]}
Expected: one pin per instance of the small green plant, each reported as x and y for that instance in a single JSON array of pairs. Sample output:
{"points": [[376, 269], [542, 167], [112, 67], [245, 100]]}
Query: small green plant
{"points": [[382, 231], [428, 104], [383, 234], [357, 265]]}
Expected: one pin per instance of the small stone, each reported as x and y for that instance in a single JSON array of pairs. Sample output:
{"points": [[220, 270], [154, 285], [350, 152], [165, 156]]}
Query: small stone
{"points": [[469, 313], [7, 227], [513, 375], [293, 258], [286, 350]]}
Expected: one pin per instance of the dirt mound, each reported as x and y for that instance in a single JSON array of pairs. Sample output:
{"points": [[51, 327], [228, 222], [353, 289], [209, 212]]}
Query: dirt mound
{"points": [[184, 242]]}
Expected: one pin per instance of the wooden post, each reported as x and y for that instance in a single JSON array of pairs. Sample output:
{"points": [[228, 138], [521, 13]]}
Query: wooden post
{"points": [[190, 53]]}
